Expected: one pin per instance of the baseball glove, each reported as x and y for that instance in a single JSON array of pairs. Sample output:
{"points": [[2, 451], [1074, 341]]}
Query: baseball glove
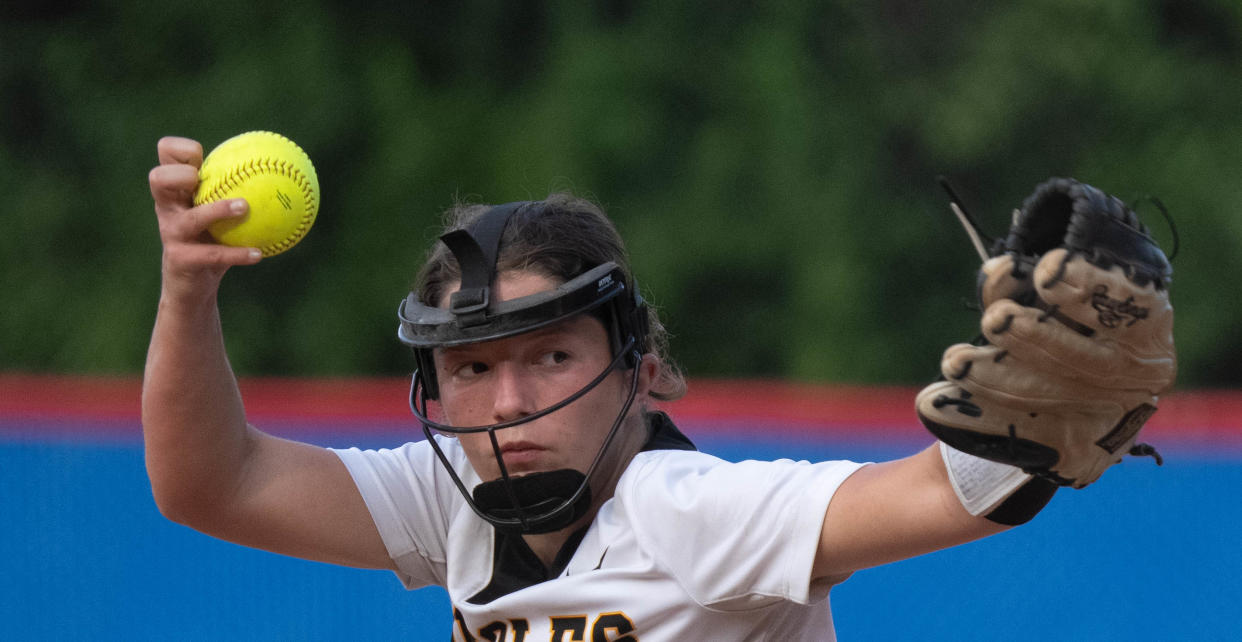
{"points": [[1077, 341]]}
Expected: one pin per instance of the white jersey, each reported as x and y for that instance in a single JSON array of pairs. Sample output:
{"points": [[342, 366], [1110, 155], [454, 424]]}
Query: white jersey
{"points": [[690, 547]]}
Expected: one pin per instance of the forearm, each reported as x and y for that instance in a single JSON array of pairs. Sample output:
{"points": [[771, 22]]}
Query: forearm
{"points": [[893, 511], [194, 425]]}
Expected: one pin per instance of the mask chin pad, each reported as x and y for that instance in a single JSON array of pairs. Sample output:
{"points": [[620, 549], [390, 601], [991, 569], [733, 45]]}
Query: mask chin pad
{"points": [[537, 495]]}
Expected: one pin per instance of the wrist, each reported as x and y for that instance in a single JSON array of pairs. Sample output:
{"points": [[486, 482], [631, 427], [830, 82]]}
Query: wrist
{"points": [[980, 484], [190, 291]]}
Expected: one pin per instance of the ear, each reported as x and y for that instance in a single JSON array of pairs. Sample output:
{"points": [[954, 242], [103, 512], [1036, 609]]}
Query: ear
{"points": [[648, 370]]}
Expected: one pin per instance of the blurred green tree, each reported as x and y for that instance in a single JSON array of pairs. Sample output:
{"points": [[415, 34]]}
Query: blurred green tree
{"points": [[772, 166]]}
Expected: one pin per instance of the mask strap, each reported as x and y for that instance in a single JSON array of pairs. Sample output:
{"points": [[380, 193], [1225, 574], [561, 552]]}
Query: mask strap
{"points": [[476, 250]]}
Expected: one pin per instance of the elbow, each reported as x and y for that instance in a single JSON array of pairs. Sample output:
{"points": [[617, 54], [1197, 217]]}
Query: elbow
{"points": [[170, 507], [196, 488], [179, 506], [184, 502]]}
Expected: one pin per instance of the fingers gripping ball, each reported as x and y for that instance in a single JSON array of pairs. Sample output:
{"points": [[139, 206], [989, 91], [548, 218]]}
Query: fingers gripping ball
{"points": [[1076, 344], [275, 177]]}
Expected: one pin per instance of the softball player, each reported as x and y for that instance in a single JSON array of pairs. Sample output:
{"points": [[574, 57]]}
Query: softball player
{"points": [[548, 497]]}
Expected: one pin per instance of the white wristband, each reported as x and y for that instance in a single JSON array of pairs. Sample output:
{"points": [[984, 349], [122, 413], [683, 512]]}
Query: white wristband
{"points": [[980, 484]]}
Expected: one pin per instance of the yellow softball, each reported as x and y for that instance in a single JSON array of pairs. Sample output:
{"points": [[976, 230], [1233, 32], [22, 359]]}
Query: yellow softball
{"points": [[275, 177]]}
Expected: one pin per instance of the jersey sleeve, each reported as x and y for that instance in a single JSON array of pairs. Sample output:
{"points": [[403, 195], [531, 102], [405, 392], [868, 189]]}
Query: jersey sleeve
{"points": [[410, 501], [737, 536]]}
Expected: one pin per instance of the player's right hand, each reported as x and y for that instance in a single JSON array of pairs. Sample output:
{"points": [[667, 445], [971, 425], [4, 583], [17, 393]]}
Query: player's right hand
{"points": [[192, 260]]}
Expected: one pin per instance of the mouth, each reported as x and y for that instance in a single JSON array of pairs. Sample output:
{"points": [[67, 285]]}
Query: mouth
{"points": [[521, 456]]}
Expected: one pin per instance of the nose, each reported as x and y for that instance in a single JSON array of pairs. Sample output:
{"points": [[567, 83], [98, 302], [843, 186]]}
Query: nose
{"points": [[514, 393]]}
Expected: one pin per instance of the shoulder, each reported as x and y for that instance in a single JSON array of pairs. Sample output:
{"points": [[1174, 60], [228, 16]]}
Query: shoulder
{"points": [[694, 471], [662, 467], [762, 517], [676, 491]]}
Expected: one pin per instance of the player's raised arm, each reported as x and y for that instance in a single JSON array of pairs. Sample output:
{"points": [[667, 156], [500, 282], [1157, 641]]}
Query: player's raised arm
{"points": [[208, 468], [190, 400]]}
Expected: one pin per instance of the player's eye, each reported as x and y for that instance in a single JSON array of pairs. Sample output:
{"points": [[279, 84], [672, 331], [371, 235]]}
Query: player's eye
{"points": [[470, 369], [553, 358]]}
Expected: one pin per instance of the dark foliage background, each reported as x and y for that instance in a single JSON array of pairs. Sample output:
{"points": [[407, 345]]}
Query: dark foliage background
{"points": [[773, 167]]}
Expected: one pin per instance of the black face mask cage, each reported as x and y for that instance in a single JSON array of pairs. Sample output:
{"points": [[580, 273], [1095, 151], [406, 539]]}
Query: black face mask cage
{"points": [[548, 514], [473, 317]]}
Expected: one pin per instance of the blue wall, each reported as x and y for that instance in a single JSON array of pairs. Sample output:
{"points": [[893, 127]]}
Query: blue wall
{"points": [[1147, 553]]}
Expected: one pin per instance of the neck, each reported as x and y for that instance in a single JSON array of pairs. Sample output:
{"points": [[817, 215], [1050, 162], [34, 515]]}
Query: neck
{"points": [[546, 546], [629, 442]]}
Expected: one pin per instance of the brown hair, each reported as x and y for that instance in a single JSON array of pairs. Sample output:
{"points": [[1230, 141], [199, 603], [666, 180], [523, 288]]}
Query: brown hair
{"points": [[562, 239]]}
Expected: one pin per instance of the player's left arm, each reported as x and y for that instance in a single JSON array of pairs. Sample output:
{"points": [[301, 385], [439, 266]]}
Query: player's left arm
{"points": [[1079, 348], [892, 511]]}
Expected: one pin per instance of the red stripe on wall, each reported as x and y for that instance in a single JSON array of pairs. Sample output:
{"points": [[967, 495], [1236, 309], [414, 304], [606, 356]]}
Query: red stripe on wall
{"points": [[1194, 414]]}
